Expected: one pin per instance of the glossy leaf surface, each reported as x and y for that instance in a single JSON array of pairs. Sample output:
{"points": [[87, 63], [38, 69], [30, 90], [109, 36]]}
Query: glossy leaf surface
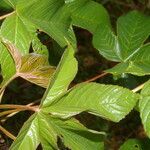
{"points": [[127, 47], [108, 101], [144, 106], [63, 76]]}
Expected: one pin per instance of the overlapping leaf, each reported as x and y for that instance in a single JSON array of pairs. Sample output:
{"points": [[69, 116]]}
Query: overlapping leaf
{"points": [[28, 137], [42, 128], [108, 101], [144, 106], [38, 47], [33, 67], [48, 128], [64, 74], [7, 64], [90, 16], [55, 17], [127, 47], [74, 135], [18, 32]]}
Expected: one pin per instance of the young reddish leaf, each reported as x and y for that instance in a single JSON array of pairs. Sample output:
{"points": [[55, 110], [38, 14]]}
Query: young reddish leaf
{"points": [[36, 69], [32, 67]]}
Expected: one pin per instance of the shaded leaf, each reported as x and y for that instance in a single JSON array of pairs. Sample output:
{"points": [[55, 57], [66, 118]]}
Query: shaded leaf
{"points": [[107, 101], [38, 47], [74, 135], [136, 144], [55, 17]]}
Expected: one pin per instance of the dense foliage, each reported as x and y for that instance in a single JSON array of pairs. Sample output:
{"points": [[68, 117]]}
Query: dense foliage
{"points": [[54, 123]]}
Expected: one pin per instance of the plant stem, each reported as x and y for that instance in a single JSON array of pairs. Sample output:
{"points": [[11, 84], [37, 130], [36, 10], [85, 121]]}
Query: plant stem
{"points": [[96, 77], [7, 15], [7, 133], [20, 107], [5, 85], [138, 88], [9, 112]]}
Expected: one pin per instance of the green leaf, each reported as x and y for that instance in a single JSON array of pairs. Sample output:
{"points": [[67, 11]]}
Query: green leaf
{"points": [[38, 47], [144, 106], [90, 16], [45, 129], [50, 16], [7, 64], [139, 64], [63, 76], [74, 135], [48, 136], [55, 17], [107, 101], [4, 5], [106, 42], [28, 137], [136, 144], [133, 29], [127, 47], [16, 31]]}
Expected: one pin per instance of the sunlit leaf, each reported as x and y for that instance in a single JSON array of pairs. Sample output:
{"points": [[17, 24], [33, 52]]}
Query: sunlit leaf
{"points": [[127, 47], [28, 137], [63, 76], [107, 101], [17, 32]]}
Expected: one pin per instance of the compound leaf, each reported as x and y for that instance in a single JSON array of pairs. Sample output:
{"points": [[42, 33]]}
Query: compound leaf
{"points": [[74, 135], [127, 47]]}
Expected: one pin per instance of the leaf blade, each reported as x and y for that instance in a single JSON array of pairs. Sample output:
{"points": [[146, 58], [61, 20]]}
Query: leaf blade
{"points": [[107, 101]]}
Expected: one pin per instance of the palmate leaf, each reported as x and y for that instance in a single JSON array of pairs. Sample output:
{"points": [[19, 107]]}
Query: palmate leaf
{"points": [[44, 129], [55, 17], [144, 106], [107, 101], [74, 135], [127, 47]]}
